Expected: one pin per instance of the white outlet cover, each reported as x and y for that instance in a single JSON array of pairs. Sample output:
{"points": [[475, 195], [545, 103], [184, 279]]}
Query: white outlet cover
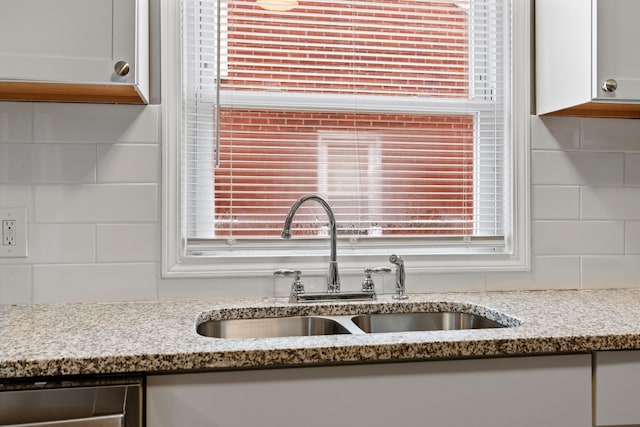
{"points": [[19, 250]]}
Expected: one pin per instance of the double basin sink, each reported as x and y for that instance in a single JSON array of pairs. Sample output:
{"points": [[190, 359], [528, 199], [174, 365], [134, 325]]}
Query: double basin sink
{"points": [[355, 324]]}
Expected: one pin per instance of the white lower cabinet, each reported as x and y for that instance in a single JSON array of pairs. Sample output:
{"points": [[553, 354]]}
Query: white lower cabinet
{"points": [[539, 391], [617, 388]]}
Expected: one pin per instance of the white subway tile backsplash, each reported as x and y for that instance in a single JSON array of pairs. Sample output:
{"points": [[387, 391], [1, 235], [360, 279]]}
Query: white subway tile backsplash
{"points": [[15, 284], [16, 124], [127, 242], [94, 282], [547, 272], [95, 123], [555, 202], [62, 243], [90, 177], [610, 203], [577, 237], [632, 237], [610, 134], [632, 170], [603, 272], [172, 289], [16, 196], [128, 163], [96, 203], [555, 133], [577, 168], [47, 163], [455, 282]]}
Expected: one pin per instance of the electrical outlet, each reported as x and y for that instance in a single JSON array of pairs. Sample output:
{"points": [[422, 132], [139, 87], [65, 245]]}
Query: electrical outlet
{"points": [[9, 232], [14, 233]]}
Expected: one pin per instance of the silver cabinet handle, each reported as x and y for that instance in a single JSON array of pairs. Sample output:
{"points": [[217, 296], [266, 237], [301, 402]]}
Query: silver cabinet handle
{"points": [[122, 68], [609, 85]]}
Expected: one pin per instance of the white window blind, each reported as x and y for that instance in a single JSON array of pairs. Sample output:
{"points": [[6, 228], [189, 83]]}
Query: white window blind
{"points": [[394, 111]]}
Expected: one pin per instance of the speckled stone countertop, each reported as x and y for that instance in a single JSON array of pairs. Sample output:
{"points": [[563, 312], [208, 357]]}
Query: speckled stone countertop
{"points": [[102, 338]]}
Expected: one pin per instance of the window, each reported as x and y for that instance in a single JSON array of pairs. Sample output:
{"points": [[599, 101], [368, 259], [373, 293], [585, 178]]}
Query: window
{"points": [[402, 114]]}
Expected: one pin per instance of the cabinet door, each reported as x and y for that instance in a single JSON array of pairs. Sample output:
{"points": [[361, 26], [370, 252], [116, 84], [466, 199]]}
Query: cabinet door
{"points": [[76, 41], [616, 384], [525, 392], [617, 56]]}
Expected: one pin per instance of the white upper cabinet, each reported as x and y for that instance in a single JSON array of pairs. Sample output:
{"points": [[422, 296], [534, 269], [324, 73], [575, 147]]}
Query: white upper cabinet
{"points": [[74, 50], [588, 58]]}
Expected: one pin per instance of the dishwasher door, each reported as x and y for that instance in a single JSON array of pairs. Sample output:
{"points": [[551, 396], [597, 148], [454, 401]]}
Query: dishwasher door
{"points": [[96, 403]]}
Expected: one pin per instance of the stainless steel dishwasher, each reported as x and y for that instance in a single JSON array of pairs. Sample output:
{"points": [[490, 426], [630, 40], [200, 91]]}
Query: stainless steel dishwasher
{"points": [[83, 403]]}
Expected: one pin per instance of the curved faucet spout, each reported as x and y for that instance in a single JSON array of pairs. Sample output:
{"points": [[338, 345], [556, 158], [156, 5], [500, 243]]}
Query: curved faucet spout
{"points": [[333, 278]]}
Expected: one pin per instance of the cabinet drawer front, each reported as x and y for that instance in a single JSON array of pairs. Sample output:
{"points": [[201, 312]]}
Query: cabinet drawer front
{"points": [[523, 392], [616, 382]]}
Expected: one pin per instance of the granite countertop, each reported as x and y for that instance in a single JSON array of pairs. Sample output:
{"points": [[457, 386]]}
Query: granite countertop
{"points": [[102, 338]]}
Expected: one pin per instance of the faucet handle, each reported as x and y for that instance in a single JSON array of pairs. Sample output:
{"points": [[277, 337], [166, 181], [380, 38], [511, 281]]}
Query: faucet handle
{"points": [[367, 284], [297, 287]]}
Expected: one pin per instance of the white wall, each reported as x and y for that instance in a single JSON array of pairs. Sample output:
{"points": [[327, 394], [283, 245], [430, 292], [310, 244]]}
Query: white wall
{"points": [[90, 178]]}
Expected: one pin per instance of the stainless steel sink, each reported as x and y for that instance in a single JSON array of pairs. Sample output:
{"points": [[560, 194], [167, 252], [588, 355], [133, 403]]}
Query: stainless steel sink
{"points": [[358, 324], [270, 327], [405, 322]]}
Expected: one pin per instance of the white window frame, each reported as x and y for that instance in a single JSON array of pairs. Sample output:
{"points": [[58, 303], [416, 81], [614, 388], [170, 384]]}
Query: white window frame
{"points": [[177, 262]]}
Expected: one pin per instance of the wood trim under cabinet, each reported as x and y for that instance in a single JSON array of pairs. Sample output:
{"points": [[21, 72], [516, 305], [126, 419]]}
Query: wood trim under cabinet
{"points": [[601, 109], [70, 92]]}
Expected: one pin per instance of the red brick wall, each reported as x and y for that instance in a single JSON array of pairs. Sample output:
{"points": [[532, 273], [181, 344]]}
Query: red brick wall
{"points": [[259, 193], [290, 51]]}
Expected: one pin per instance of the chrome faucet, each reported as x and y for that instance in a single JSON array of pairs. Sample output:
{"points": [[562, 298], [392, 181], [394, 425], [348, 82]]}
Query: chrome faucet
{"points": [[333, 278]]}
